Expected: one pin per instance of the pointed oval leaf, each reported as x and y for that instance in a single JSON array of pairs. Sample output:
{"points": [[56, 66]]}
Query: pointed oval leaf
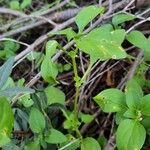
{"points": [[118, 35], [5, 71], [51, 48], [68, 32], [14, 5], [90, 143], [86, 118], [49, 70], [15, 90], [54, 95], [145, 105], [55, 137], [146, 122], [130, 135], [36, 121], [121, 18], [25, 4], [111, 100], [133, 94], [103, 44], [120, 116], [86, 15], [9, 83], [139, 40], [6, 121]]}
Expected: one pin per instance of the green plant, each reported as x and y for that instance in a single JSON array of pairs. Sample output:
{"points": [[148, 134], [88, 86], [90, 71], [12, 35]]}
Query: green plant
{"points": [[8, 49], [6, 93], [102, 43], [15, 4], [132, 109]]}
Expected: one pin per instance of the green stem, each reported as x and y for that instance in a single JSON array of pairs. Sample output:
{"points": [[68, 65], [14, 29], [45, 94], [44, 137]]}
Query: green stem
{"points": [[45, 114], [77, 85], [87, 71], [64, 50], [76, 103], [79, 134]]}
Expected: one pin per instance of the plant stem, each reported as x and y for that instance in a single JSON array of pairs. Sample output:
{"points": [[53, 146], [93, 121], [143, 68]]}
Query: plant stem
{"points": [[77, 85], [64, 147], [87, 71], [49, 120]]}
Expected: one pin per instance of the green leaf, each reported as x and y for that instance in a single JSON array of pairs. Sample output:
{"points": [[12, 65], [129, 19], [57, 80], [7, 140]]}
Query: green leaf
{"points": [[21, 82], [8, 92], [5, 71], [6, 121], [145, 105], [118, 36], [102, 141], [51, 48], [121, 18], [14, 5], [119, 117], [68, 32], [9, 83], [139, 40], [130, 135], [90, 144], [36, 121], [111, 100], [11, 46], [130, 113], [86, 118], [55, 137], [71, 122], [133, 94], [73, 144], [102, 44], [26, 101], [67, 67], [49, 70], [34, 56], [86, 15], [140, 79], [146, 123], [54, 95], [4, 139], [34, 145], [10, 146], [25, 4], [106, 27]]}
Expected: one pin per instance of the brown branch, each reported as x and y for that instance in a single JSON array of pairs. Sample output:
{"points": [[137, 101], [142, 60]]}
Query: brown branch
{"points": [[64, 15]]}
